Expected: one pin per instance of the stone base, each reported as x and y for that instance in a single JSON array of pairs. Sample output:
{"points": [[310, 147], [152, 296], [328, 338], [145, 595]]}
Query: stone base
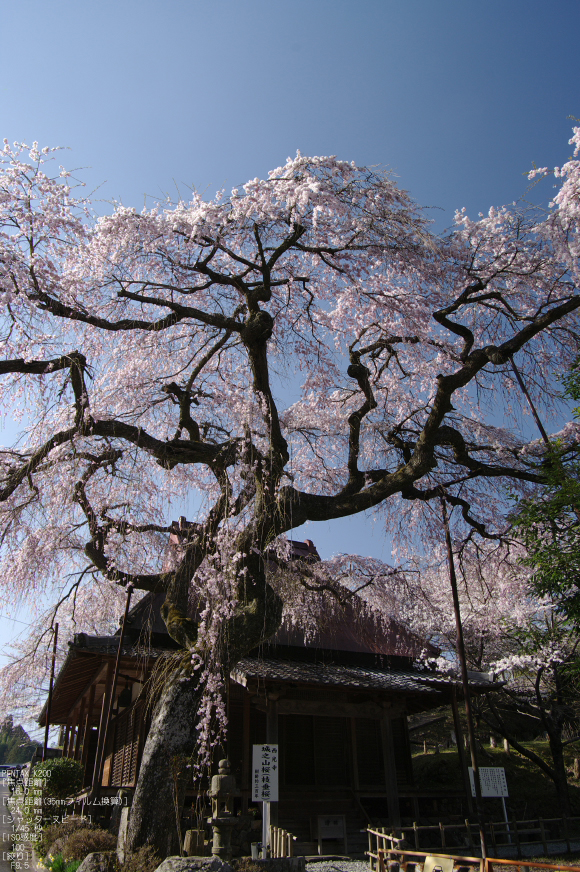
{"points": [[99, 861], [122, 833], [194, 843]]}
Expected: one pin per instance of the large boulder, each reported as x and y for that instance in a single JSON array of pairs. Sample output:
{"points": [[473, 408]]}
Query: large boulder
{"points": [[99, 861], [194, 864]]}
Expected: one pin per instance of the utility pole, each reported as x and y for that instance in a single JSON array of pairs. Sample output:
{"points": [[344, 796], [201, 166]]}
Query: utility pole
{"points": [[50, 687], [526, 394], [464, 679]]}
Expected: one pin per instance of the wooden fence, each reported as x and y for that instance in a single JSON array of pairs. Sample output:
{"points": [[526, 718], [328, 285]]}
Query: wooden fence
{"points": [[394, 859], [537, 831], [282, 843]]}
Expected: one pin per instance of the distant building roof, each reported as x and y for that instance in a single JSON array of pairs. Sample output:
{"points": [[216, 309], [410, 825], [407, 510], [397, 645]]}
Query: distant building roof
{"points": [[359, 636], [330, 675], [86, 662], [144, 619], [357, 630]]}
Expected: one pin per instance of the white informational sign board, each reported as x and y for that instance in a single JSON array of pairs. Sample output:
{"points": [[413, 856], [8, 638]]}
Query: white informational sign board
{"points": [[492, 781], [265, 773], [331, 827]]}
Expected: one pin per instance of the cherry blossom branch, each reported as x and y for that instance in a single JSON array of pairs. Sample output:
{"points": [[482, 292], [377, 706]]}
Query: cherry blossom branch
{"points": [[255, 335], [459, 329], [38, 367], [360, 373], [49, 304], [168, 453], [75, 362], [212, 319], [16, 477], [302, 506], [184, 395]]}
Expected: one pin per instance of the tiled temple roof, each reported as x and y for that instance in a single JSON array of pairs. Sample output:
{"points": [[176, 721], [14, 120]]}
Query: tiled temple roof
{"points": [[354, 677]]}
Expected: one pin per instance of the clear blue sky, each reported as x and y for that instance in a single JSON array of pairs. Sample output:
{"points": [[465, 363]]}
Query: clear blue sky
{"points": [[458, 97]]}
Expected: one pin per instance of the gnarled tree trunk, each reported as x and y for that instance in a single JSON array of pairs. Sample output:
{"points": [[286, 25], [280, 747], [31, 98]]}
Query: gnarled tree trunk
{"points": [[560, 775], [159, 795]]}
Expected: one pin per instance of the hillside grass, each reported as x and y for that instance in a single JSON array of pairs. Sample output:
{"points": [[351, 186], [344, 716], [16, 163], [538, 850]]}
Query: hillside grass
{"points": [[531, 792]]}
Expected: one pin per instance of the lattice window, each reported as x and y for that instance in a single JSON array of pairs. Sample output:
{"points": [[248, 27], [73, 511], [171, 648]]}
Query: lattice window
{"points": [[126, 747]]}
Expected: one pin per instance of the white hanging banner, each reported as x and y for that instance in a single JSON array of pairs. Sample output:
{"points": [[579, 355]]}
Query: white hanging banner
{"points": [[265, 773]]}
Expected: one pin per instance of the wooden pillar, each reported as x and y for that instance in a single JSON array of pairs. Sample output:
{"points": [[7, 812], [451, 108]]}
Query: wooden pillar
{"points": [[461, 751], [106, 714], [80, 730], [87, 732], [66, 738], [71, 741], [272, 739], [272, 722], [390, 772], [73, 734], [100, 755], [354, 756], [142, 734], [69, 738], [246, 751]]}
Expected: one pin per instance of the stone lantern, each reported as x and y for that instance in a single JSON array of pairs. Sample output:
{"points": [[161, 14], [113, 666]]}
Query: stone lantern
{"points": [[222, 792]]}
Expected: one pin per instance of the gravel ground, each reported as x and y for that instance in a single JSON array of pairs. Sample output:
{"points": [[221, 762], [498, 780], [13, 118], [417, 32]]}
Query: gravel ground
{"points": [[338, 866]]}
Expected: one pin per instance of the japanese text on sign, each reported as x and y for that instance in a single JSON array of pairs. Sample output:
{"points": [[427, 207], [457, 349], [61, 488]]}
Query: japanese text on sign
{"points": [[491, 779], [265, 773]]}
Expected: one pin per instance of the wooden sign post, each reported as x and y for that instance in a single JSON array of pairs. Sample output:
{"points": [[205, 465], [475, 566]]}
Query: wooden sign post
{"points": [[493, 783], [265, 785]]}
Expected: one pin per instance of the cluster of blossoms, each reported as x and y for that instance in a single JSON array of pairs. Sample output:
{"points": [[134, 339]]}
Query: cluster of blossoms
{"points": [[544, 658], [442, 665], [214, 601]]}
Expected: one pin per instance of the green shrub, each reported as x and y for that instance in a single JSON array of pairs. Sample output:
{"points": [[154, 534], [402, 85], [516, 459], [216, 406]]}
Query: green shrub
{"points": [[49, 785], [62, 776]]}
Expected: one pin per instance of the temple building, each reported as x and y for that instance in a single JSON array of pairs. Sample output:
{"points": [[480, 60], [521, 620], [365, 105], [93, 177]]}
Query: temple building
{"points": [[336, 705]]}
